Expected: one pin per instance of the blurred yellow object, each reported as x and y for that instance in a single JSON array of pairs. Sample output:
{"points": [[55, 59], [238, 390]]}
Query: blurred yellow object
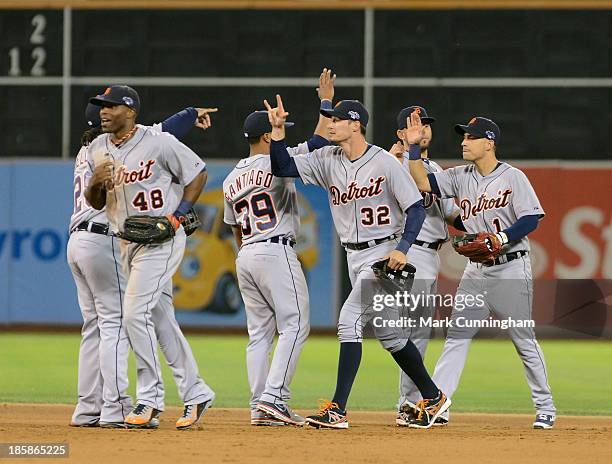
{"points": [[206, 279]]}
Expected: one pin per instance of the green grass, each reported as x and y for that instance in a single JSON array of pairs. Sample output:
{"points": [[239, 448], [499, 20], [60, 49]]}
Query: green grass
{"points": [[42, 368]]}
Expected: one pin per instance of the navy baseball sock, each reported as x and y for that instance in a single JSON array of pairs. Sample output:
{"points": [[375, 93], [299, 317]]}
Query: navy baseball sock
{"points": [[410, 361], [348, 365]]}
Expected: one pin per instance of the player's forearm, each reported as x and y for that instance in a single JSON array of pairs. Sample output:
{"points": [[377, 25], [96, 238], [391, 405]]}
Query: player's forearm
{"points": [[280, 161], [417, 170], [321, 129], [316, 141], [523, 226], [237, 235], [455, 221], [180, 123], [191, 193], [96, 197], [415, 216]]}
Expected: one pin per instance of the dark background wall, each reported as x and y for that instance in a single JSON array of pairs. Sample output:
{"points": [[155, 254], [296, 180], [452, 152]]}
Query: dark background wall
{"points": [[539, 118]]}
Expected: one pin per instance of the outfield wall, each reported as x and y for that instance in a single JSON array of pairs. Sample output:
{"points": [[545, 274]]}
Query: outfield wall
{"points": [[572, 249]]}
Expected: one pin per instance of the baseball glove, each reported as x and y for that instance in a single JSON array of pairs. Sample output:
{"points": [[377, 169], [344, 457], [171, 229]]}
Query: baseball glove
{"points": [[190, 222], [401, 279], [482, 247], [147, 229]]}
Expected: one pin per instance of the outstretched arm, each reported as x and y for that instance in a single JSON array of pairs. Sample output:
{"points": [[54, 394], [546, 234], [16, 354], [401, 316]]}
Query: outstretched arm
{"points": [[325, 92], [415, 216], [180, 123], [282, 164]]}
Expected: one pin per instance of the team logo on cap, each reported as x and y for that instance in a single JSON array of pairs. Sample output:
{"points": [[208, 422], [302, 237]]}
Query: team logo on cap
{"points": [[128, 101], [472, 121], [490, 135], [107, 91], [353, 115]]}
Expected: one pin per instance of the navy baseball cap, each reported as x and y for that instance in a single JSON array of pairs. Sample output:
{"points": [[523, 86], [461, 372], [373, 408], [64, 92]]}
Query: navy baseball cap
{"points": [[257, 123], [480, 127], [352, 110], [403, 115], [92, 115], [118, 95]]}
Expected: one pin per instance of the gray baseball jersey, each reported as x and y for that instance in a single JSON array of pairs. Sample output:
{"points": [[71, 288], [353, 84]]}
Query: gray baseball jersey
{"points": [[263, 205], [368, 196], [270, 276], [82, 210], [438, 209], [491, 203], [150, 170], [146, 168]]}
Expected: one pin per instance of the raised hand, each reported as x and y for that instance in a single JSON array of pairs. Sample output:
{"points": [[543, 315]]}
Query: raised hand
{"points": [[102, 176], [414, 132], [203, 120], [398, 150], [326, 85], [277, 116]]}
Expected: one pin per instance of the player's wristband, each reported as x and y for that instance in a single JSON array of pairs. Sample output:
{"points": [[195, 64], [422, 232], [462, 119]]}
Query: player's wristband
{"points": [[326, 104], [183, 207], [503, 238], [414, 152]]}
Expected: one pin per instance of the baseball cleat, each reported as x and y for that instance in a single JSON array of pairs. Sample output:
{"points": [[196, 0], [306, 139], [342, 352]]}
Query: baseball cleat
{"points": [[143, 417], [260, 418], [113, 425], [429, 411], [86, 424], [544, 421], [405, 414], [329, 416], [192, 414], [442, 419], [281, 412]]}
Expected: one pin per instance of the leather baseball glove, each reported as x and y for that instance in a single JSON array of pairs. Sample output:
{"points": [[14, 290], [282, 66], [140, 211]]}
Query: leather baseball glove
{"points": [[482, 247], [149, 229], [401, 279]]}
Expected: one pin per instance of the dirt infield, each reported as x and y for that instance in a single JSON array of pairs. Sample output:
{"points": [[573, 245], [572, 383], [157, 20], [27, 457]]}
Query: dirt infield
{"points": [[227, 437]]}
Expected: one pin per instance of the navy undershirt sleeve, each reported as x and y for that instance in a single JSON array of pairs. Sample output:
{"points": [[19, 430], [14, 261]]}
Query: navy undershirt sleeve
{"points": [[316, 141], [522, 227], [281, 162], [458, 224], [415, 216], [180, 123], [433, 183]]}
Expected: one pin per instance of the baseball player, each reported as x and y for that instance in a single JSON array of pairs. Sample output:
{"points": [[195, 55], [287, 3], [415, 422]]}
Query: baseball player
{"points": [[263, 212], [369, 193], [497, 200], [139, 170], [423, 255], [92, 256]]}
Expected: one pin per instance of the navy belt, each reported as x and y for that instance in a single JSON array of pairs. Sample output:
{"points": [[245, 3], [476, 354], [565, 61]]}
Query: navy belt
{"points": [[503, 259], [279, 239], [94, 227], [369, 244], [434, 245]]}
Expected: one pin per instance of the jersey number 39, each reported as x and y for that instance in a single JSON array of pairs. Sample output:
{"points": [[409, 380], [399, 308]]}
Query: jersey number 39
{"points": [[257, 209]]}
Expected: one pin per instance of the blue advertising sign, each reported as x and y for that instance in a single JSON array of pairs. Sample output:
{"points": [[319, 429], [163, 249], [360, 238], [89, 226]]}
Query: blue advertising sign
{"points": [[36, 285]]}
